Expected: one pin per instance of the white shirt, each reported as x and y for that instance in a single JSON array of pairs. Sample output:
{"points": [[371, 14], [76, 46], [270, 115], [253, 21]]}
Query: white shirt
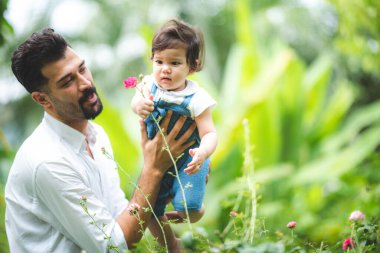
{"points": [[198, 103], [51, 172]]}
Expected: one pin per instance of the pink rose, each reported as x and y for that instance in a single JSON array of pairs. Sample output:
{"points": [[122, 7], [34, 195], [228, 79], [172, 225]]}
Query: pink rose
{"points": [[291, 224], [348, 243], [131, 82], [357, 216]]}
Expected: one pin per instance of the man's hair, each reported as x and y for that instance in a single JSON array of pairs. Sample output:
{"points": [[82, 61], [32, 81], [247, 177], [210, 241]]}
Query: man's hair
{"points": [[40, 49], [176, 33]]}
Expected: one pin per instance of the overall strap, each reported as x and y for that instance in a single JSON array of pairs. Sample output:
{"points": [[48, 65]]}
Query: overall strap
{"points": [[154, 88], [186, 100]]}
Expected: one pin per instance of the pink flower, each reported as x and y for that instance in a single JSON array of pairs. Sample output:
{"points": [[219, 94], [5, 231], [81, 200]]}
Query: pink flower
{"points": [[357, 216], [131, 82], [291, 224], [348, 243], [233, 214]]}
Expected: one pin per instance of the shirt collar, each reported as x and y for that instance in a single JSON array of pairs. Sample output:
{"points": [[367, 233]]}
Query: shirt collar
{"points": [[71, 136]]}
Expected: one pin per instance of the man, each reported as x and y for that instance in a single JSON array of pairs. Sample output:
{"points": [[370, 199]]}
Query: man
{"points": [[62, 160]]}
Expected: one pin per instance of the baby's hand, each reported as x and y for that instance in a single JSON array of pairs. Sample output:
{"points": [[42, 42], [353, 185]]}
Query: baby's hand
{"points": [[144, 107], [198, 158]]}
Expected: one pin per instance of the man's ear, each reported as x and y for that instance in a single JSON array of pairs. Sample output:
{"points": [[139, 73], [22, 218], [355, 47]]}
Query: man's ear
{"points": [[41, 98]]}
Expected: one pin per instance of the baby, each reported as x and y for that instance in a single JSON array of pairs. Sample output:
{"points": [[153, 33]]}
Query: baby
{"points": [[177, 52]]}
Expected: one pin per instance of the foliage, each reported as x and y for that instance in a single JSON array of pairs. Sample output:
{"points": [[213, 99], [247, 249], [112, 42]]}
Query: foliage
{"points": [[305, 138], [3, 243], [5, 27], [357, 43], [359, 34], [362, 236]]}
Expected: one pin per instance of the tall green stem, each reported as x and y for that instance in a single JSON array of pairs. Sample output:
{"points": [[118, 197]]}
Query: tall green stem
{"points": [[142, 193], [249, 175], [250, 206], [167, 148]]}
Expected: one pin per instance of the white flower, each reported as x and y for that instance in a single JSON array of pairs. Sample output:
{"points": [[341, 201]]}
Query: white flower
{"points": [[357, 216]]}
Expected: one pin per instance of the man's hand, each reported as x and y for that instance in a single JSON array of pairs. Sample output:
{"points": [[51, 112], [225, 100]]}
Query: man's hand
{"points": [[155, 155]]}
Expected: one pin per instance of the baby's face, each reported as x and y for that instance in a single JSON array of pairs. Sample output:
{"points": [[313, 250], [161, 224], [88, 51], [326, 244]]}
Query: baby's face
{"points": [[170, 68]]}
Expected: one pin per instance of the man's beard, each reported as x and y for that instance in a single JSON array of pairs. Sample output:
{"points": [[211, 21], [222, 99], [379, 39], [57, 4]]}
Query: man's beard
{"points": [[90, 113], [79, 111]]}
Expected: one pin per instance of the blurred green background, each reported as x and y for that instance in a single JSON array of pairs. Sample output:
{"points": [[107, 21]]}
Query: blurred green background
{"points": [[306, 75]]}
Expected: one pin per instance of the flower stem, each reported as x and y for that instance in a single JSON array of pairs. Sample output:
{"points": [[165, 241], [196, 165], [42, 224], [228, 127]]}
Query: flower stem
{"points": [[250, 203], [167, 148], [236, 206], [249, 174], [142, 193], [83, 203]]}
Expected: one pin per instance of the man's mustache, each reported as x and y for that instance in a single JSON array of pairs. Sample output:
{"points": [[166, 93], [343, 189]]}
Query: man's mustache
{"points": [[87, 93]]}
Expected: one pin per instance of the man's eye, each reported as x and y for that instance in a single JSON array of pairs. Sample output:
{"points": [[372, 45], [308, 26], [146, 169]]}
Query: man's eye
{"points": [[68, 81], [83, 69]]}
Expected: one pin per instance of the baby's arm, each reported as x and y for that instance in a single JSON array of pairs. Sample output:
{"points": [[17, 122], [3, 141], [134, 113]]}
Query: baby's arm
{"points": [[208, 143], [141, 104]]}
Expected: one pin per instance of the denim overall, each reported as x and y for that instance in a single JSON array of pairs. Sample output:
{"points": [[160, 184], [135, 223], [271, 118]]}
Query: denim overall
{"points": [[193, 185]]}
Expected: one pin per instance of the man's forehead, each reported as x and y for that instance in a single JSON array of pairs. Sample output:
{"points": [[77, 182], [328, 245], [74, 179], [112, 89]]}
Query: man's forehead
{"points": [[54, 71]]}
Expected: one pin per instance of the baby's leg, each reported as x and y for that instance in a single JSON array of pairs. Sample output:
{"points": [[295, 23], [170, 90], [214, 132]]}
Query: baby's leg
{"points": [[194, 187], [172, 241]]}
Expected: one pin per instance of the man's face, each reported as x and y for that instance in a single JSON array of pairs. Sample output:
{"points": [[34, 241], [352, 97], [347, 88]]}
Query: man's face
{"points": [[71, 89]]}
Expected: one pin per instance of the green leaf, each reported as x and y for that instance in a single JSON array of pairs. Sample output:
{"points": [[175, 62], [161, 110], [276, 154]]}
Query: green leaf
{"points": [[333, 165]]}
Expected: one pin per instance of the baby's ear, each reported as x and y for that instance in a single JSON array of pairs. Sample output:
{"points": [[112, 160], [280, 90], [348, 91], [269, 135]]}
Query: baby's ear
{"points": [[195, 68]]}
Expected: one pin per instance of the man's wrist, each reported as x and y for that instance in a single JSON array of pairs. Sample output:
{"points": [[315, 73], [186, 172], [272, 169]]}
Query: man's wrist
{"points": [[154, 172]]}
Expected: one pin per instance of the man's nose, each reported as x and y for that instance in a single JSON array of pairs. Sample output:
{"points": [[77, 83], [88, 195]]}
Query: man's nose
{"points": [[84, 82]]}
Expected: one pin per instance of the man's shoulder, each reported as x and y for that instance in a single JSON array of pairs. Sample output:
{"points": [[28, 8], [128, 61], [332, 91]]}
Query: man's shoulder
{"points": [[39, 147]]}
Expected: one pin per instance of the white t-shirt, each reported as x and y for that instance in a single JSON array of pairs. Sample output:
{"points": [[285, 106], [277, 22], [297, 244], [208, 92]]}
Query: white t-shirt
{"points": [[51, 172], [198, 103]]}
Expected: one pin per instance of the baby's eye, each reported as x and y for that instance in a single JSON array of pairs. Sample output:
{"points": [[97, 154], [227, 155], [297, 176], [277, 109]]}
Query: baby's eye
{"points": [[175, 63], [158, 61]]}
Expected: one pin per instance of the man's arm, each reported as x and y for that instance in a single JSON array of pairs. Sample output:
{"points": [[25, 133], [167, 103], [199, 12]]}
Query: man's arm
{"points": [[156, 162]]}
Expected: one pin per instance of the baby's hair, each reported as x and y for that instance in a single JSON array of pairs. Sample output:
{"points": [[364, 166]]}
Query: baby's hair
{"points": [[175, 34]]}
